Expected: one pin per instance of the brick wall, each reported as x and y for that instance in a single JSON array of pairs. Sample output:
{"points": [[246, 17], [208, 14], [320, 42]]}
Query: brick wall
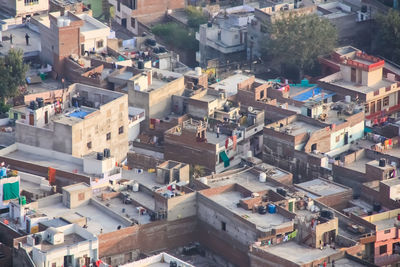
{"points": [[160, 235], [141, 161]]}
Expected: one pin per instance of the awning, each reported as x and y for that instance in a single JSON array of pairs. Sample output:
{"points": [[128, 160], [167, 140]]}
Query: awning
{"points": [[10, 191], [224, 158]]}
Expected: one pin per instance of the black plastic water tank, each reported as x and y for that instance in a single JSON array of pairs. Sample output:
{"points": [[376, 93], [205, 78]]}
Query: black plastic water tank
{"points": [[262, 209], [140, 65], [382, 162], [99, 156]]}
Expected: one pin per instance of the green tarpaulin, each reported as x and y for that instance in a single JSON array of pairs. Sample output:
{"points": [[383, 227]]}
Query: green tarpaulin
{"points": [[10, 191], [224, 158]]}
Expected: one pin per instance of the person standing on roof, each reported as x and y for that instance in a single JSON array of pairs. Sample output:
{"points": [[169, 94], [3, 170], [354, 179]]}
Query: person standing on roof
{"points": [[27, 38]]}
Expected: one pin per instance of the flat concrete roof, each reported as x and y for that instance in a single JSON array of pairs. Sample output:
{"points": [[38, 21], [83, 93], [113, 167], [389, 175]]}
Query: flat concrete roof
{"points": [[299, 254], [321, 187], [229, 85], [97, 219], [213, 139], [19, 42], [345, 262], [362, 88], [391, 182], [74, 187], [247, 179], [298, 127], [385, 224], [71, 239], [358, 165], [126, 210], [45, 161], [263, 222]]}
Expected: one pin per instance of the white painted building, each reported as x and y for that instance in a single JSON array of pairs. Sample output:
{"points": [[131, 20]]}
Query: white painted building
{"points": [[227, 34], [95, 33], [69, 245]]}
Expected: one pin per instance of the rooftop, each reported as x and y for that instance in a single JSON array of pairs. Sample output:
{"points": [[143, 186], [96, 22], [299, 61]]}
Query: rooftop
{"points": [[384, 220], [19, 42], [248, 178], [263, 222], [71, 239], [298, 127], [98, 219], [391, 182], [229, 85], [299, 254], [322, 187]]}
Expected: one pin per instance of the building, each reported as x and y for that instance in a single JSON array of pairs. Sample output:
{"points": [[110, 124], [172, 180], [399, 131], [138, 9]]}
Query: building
{"points": [[225, 38], [385, 245], [162, 260], [24, 9], [63, 35], [69, 245], [321, 128], [130, 13], [258, 26], [152, 90], [361, 77], [83, 120]]}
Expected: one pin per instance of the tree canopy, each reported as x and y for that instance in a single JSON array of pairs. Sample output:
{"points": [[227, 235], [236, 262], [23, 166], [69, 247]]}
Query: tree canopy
{"points": [[298, 40], [387, 38], [195, 17], [175, 35], [12, 73]]}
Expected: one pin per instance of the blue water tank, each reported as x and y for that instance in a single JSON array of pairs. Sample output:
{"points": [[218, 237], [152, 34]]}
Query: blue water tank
{"points": [[271, 208]]}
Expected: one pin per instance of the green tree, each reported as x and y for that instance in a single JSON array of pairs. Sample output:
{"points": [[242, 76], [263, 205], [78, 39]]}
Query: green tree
{"points": [[387, 38], [177, 36], [12, 73], [195, 17], [298, 40]]}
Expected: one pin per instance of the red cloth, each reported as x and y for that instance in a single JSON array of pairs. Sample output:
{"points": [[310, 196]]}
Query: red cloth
{"points": [[234, 138]]}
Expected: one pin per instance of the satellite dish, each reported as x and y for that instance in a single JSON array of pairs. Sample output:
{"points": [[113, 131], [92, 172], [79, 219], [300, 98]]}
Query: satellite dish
{"points": [[250, 109]]}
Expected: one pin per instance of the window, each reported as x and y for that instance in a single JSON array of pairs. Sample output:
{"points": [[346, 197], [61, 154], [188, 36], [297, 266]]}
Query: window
{"points": [[383, 249], [100, 44], [387, 231], [313, 147], [81, 196], [337, 138], [379, 105], [366, 108], [386, 101], [223, 226], [261, 94], [89, 145], [31, 2], [121, 130], [108, 137], [23, 116], [376, 93], [119, 5], [133, 23]]}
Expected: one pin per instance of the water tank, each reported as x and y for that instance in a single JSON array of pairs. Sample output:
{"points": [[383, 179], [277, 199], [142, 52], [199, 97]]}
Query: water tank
{"points": [[263, 177], [40, 102], [203, 180], [99, 156], [347, 98], [262, 209], [140, 64], [60, 22], [135, 187], [33, 105], [198, 71], [249, 154], [173, 264], [326, 214], [382, 162], [271, 208], [376, 206], [67, 22]]}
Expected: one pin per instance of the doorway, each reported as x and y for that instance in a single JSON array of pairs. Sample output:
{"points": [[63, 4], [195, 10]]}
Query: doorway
{"points": [[123, 23]]}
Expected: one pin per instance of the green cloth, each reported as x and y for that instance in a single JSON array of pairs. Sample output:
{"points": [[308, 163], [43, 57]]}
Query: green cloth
{"points": [[224, 158], [10, 191]]}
